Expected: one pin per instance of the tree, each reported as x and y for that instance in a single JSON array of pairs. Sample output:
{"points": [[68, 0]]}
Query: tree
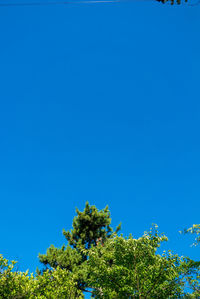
{"points": [[89, 226], [131, 268], [194, 280], [58, 283], [12, 284], [51, 284], [109, 266], [194, 230], [172, 1]]}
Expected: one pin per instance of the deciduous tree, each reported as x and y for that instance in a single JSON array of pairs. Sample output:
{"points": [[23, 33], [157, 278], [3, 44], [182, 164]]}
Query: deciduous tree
{"points": [[132, 268]]}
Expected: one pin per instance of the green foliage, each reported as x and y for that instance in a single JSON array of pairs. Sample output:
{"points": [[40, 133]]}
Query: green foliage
{"points": [[51, 284], [13, 284], [193, 279], [64, 257], [172, 2], [108, 266], [194, 230], [58, 283], [130, 268], [88, 228]]}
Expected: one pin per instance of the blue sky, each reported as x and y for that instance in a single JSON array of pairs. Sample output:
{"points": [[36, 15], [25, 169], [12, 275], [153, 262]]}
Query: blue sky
{"points": [[99, 103]]}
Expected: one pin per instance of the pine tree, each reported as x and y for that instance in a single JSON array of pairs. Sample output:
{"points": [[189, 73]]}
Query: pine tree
{"points": [[89, 227]]}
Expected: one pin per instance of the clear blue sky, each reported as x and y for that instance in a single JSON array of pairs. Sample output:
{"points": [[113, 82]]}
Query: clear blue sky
{"points": [[99, 103]]}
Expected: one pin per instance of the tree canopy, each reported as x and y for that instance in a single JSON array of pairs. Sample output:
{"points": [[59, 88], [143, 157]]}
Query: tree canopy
{"points": [[57, 283], [97, 260], [88, 227], [131, 268], [194, 230], [172, 1]]}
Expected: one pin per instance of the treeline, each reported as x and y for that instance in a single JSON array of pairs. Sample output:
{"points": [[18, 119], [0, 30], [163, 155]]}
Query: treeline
{"points": [[99, 261], [172, 2]]}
